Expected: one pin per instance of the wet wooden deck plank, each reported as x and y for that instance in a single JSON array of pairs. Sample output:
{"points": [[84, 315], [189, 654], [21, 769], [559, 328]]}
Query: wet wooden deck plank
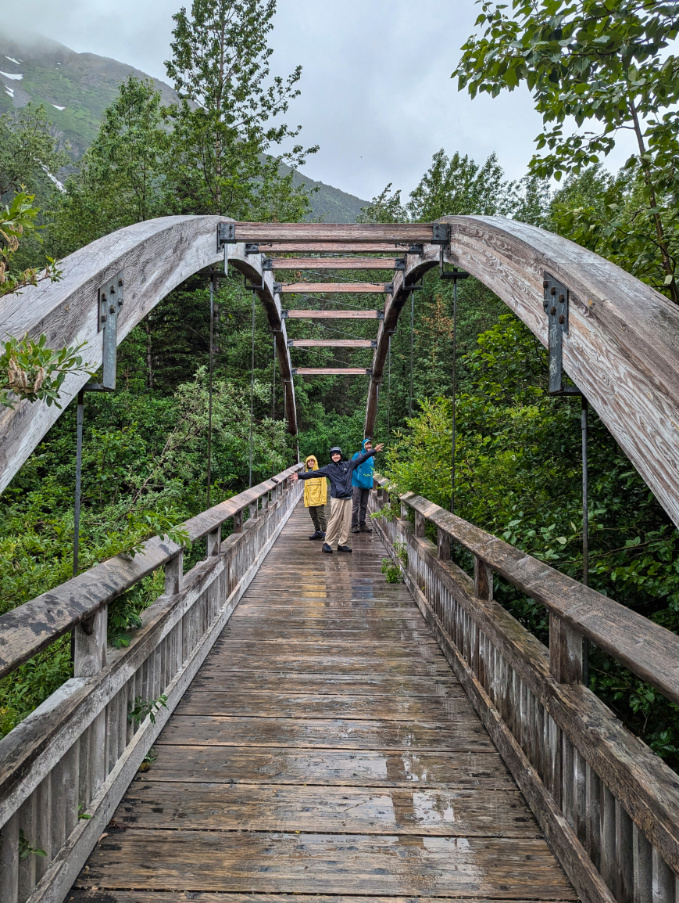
{"points": [[257, 862], [464, 733], [257, 703], [329, 767], [320, 683], [94, 896], [325, 750], [337, 810]]}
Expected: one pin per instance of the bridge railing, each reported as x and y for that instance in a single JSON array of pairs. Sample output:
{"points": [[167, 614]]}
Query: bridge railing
{"points": [[608, 805], [64, 769]]}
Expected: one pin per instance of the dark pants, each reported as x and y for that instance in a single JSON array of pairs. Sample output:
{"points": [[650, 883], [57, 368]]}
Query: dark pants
{"points": [[360, 497], [317, 513]]}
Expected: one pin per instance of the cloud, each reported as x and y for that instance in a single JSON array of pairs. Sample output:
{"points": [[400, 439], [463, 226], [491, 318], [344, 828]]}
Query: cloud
{"points": [[376, 88]]}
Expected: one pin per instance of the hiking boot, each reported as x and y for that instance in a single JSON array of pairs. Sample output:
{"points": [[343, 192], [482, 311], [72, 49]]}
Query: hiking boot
{"points": [[317, 535], [326, 548], [344, 549], [355, 529], [364, 529]]}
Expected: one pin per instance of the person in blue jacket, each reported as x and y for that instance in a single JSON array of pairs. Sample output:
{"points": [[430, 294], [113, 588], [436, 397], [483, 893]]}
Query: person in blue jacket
{"points": [[361, 483]]}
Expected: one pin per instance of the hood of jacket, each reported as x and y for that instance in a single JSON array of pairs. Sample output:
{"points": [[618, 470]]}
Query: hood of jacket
{"points": [[311, 462]]}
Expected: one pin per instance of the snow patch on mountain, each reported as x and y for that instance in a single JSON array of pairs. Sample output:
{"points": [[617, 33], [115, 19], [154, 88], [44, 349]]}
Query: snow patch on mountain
{"points": [[9, 91], [58, 107], [15, 78], [12, 60]]}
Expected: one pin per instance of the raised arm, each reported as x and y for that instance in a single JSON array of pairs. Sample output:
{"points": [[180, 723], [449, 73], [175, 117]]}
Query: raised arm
{"points": [[309, 475], [363, 456]]}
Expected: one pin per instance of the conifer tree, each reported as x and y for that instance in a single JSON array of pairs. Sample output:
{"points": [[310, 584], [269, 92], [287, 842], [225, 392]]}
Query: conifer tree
{"points": [[228, 118]]}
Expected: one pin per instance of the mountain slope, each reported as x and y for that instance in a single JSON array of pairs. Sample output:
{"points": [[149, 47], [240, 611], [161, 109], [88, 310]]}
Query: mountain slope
{"points": [[76, 88]]}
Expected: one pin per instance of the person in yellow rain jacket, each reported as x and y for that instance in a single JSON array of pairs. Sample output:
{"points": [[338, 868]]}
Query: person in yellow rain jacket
{"points": [[315, 497]]}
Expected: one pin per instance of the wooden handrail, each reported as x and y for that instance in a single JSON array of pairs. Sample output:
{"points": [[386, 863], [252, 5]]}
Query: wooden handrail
{"points": [[607, 803], [647, 649], [30, 627]]}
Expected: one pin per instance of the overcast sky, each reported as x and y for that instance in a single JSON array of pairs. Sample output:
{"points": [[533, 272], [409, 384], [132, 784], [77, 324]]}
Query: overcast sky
{"points": [[376, 89]]}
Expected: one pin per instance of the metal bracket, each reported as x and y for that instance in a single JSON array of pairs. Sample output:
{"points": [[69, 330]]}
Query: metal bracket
{"points": [[277, 286], [440, 233], [454, 274], [555, 303], [293, 370], [369, 371], [389, 288], [267, 264], [251, 248], [226, 234], [284, 315], [373, 343], [380, 314], [251, 287], [400, 265], [110, 300], [416, 249], [412, 286]]}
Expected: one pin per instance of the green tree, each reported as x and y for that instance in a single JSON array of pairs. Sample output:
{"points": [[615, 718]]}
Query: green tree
{"points": [[122, 173], [603, 62], [227, 120], [385, 208], [459, 185], [30, 155]]}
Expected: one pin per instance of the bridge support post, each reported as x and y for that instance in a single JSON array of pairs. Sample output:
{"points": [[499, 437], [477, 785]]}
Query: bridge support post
{"points": [[565, 651], [174, 571], [90, 645], [483, 580], [443, 545], [214, 541]]}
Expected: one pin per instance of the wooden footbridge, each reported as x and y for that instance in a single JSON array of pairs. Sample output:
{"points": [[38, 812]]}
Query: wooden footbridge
{"points": [[324, 733]]}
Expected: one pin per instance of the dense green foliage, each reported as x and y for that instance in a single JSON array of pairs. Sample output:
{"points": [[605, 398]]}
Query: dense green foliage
{"points": [[604, 64]]}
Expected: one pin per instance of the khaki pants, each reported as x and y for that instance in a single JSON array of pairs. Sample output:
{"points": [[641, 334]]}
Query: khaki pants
{"points": [[340, 522]]}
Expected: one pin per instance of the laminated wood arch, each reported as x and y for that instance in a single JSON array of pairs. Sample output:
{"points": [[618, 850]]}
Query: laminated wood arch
{"points": [[622, 347], [154, 257]]}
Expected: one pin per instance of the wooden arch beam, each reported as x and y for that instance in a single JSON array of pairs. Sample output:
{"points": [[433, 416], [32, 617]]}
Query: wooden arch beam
{"points": [[416, 266], [155, 257], [622, 347]]}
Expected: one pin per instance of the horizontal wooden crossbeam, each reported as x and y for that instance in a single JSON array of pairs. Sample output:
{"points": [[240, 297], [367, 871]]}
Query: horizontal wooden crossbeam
{"points": [[354, 232], [333, 314], [334, 263], [332, 343], [333, 247], [325, 288], [332, 371]]}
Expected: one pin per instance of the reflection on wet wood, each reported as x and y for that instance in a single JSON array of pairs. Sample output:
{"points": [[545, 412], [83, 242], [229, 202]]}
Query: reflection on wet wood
{"points": [[325, 863], [325, 748], [329, 767], [247, 807]]}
